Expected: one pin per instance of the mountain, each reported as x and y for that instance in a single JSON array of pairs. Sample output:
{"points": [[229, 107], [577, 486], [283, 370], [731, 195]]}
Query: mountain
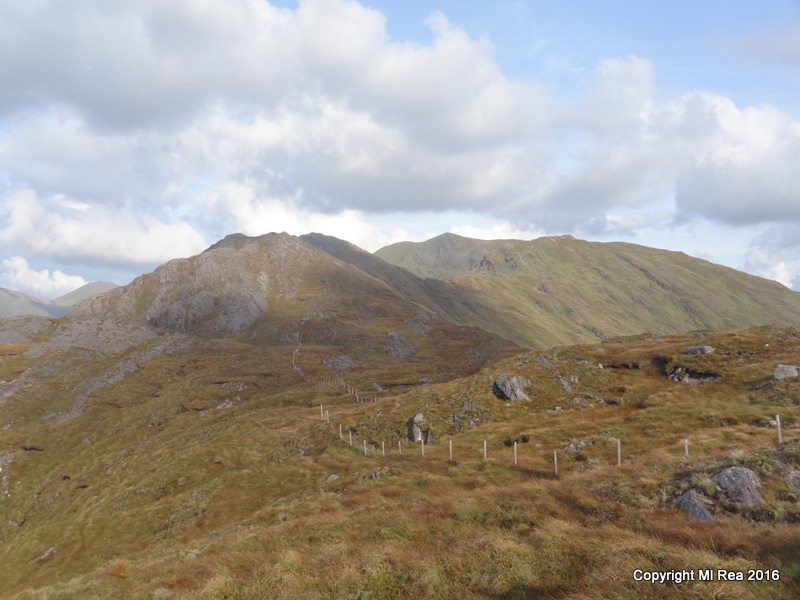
{"points": [[560, 290], [14, 304], [249, 423], [83, 292]]}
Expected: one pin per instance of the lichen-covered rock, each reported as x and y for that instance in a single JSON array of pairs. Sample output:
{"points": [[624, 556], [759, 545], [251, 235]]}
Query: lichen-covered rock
{"points": [[699, 350], [694, 505], [511, 388], [785, 371], [740, 485]]}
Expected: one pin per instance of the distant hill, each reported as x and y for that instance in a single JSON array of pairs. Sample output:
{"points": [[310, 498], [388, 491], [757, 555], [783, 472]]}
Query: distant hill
{"points": [[561, 290], [83, 292], [17, 304]]}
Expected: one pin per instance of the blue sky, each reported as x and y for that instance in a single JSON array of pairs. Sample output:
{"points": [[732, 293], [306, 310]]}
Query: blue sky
{"points": [[133, 134]]}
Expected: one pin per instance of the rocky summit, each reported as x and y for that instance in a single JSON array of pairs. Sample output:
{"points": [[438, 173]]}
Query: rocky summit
{"points": [[294, 417]]}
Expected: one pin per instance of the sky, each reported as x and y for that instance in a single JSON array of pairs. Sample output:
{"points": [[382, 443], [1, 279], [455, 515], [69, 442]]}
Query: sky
{"points": [[132, 133]]}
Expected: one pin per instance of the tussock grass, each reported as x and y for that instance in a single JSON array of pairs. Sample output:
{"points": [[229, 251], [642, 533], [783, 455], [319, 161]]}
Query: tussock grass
{"points": [[239, 502]]}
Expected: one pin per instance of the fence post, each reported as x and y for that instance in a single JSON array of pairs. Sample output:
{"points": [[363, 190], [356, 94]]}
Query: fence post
{"points": [[321, 413], [686, 447], [365, 447], [619, 452], [350, 433], [780, 433], [515, 453], [484, 449], [340, 431], [383, 448], [423, 446], [555, 462], [451, 450], [400, 446]]}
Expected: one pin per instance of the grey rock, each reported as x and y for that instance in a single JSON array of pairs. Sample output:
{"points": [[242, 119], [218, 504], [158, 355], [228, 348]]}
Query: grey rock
{"points": [[333, 477], [699, 350], [341, 361], [21, 330], [575, 446], [785, 371], [543, 359], [415, 433], [398, 347], [511, 388], [418, 418], [740, 485], [694, 505], [794, 479]]}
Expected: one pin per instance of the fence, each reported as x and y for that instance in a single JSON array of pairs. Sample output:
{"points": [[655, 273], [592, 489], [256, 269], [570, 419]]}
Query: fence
{"points": [[325, 416]]}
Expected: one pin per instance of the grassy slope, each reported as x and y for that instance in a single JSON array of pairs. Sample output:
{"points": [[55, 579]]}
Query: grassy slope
{"points": [[561, 290], [156, 487]]}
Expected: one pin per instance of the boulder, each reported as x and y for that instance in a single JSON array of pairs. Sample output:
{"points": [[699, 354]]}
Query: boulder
{"points": [[794, 479], [694, 505], [740, 485], [511, 388], [699, 350], [415, 433], [785, 371]]}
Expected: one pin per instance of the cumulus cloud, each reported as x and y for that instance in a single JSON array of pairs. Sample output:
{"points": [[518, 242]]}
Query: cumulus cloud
{"points": [[59, 227], [134, 133], [16, 274]]}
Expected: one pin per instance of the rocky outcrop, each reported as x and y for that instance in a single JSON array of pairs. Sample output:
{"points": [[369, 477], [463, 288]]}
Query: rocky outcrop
{"points": [[96, 333], [21, 330], [415, 431], [398, 347], [699, 350], [740, 485], [692, 377], [694, 505], [511, 388], [785, 372]]}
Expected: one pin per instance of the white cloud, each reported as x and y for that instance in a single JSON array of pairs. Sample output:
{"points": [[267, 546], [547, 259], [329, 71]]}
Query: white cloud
{"points": [[93, 233], [16, 274], [761, 263], [134, 133], [500, 231]]}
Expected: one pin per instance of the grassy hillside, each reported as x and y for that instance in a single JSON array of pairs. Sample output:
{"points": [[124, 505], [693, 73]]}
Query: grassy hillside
{"points": [[562, 290], [208, 473]]}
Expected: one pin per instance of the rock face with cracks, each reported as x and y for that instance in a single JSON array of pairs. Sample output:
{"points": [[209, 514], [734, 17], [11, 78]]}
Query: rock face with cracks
{"points": [[740, 485], [511, 388], [694, 505]]}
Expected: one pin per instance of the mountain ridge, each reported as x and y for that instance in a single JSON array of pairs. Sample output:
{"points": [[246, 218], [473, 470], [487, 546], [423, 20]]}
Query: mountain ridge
{"points": [[557, 290], [16, 304]]}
